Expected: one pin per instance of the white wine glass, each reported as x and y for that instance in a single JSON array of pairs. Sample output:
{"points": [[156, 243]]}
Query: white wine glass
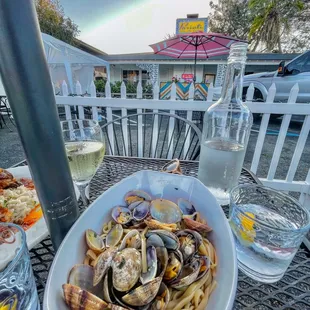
{"points": [[85, 147]]}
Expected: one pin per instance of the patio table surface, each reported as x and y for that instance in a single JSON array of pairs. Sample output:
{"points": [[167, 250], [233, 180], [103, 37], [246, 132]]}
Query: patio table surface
{"points": [[291, 292]]}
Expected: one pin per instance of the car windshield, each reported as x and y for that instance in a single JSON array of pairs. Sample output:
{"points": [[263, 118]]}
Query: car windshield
{"points": [[301, 64]]}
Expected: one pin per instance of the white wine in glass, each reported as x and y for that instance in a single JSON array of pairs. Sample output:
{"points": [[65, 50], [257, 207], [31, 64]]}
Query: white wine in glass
{"points": [[85, 148]]}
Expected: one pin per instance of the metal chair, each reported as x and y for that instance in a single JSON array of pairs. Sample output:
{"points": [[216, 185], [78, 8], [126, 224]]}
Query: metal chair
{"points": [[5, 110], [152, 135]]}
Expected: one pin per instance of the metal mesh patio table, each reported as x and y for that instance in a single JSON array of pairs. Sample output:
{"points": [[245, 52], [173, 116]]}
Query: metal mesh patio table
{"points": [[291, 292]]}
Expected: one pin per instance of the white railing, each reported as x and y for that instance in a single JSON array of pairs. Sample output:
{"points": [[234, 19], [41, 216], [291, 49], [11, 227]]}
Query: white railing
{"points": [[189, 106]]}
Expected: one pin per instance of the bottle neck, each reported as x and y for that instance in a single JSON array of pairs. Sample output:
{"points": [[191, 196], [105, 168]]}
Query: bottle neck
{"points": [[232, 86]]}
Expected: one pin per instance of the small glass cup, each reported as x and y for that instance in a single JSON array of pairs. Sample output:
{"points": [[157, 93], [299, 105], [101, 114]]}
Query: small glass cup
{"points": [[17, 285], [268, 228]]}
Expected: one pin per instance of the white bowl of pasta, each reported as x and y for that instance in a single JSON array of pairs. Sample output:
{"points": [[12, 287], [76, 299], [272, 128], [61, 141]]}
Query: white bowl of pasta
{"points": [[160, 186]]}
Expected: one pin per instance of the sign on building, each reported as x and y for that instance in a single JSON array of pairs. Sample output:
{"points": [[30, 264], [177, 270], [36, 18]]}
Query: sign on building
{"points": [[191, 25]]}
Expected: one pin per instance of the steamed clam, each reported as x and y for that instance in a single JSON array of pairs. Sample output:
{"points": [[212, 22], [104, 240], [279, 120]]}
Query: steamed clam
{"points": [[121, 215], [143, 256], [165, 211], [114, 236], [77, 298], [126, 269], [136, 195], [94, 241]]}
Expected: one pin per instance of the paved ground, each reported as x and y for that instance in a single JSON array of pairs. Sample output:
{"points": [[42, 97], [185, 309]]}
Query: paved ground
{"points": [[11, 150]]}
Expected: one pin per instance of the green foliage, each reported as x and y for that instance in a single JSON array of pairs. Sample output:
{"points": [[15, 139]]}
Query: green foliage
{"points": [[268, 25], [116, 87], [271, 19], [53, 21], [131, 87], [100, 85], [230, 17], [147, 88]]}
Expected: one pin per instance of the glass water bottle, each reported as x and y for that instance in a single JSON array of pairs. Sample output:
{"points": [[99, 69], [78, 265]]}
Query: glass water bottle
{"points": [[226, 130]]}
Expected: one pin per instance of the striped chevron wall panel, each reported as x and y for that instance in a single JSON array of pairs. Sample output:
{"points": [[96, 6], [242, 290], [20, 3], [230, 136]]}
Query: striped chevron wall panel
{"points": [[201, 90]]}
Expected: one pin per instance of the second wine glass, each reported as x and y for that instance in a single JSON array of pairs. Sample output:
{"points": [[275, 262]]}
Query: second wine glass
{"points": [[85, 146]]}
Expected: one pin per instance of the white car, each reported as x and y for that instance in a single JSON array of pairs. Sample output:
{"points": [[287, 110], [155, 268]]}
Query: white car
{"points": [[296, 71]]}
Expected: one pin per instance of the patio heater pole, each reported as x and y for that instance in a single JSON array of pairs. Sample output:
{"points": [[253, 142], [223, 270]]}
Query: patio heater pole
{"points": [[27, 83]]}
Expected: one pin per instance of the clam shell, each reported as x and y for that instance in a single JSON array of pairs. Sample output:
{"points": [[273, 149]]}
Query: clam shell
{"points": [[194, 225], [94, 241], [114, 236], [102, 263], [141, 211], [174, 266], [151, 258], [82, 276], [78, 299], [188, 275], [134, 204], [173, 166], [143, 294], [169, 239], [204, 267], [126, 269], [107, 296], [136, 195], [188, 243], [121, 215], [165, 211], [162, 299], [162, 257], [186, 206], [131, 240]]}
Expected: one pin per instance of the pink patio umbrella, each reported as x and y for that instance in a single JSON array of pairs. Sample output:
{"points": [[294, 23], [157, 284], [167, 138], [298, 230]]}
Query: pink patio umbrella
{"points": [[199, 45]]}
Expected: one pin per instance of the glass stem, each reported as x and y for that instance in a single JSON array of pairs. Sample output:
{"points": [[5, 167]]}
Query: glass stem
{"points": [[82, 189]]}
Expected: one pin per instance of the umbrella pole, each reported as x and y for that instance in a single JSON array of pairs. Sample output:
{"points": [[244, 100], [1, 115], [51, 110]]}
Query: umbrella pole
{"points": [[195, 64]]}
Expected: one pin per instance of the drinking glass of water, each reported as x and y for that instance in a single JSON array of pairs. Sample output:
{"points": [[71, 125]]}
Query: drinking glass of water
{"points": [[268, 228], [85, 146], [17, 285]]}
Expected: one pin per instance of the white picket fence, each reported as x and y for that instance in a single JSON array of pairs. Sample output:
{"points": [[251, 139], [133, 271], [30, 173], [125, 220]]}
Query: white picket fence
{"points": [[189, 106]]}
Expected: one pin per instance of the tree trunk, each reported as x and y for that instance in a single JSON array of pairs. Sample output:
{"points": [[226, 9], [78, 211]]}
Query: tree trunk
{"points": [[279, 44]]}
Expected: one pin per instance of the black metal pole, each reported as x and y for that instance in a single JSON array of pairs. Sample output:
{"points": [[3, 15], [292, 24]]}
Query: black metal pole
{"points": [[195, 64], [28, 86]]}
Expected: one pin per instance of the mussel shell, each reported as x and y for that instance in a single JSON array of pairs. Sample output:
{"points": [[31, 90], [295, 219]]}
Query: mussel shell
{"points": [[154, 240], [114, 236], [77, 299], [186, 206], [141, 211], [94, 241], [162, 298], [135, 240], [165, 211], [143, 294], [136, 195], [169, 239], [121, 215], [126, 269], [188, 243], [102, 263], [188, 275], [174, 266], [151, 259], [82, 276]]}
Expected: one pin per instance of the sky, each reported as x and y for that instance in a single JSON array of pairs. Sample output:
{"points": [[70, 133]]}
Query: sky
{"points": [[129, 26]]}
